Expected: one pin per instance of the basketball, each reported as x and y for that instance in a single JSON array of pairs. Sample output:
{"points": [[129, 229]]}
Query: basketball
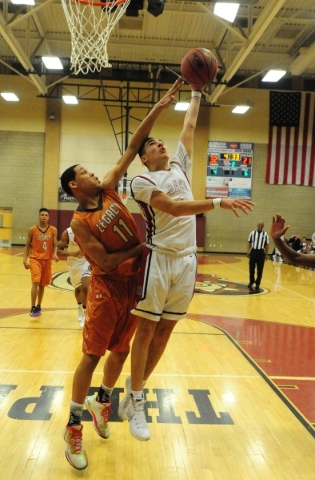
{"points": [[199, 67]]}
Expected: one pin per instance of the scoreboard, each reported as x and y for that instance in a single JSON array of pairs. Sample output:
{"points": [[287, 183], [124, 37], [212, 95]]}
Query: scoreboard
{"points": [[229, 169]]}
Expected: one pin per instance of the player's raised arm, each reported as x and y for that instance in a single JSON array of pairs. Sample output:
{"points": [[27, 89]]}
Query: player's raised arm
{"points": [[190, 122], [112, 178], [277, 230], [199, 67]]}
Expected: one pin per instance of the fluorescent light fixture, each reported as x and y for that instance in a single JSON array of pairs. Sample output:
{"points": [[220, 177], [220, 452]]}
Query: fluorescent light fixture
{"points": [[52, 63], [240, 109], [23, 2], [182, 106], [227, 11], [273, 75], [70, 99], [9, 97]]}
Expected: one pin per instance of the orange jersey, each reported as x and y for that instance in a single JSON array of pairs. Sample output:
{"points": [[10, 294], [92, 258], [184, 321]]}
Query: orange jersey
{"points": [[42, 244], [113, 225]]}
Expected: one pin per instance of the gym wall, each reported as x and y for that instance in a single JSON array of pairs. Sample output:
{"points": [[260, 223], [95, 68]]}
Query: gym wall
{"points": [[35, 149]]}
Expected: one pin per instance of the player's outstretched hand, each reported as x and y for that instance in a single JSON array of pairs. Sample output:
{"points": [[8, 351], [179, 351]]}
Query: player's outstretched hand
{"points": [[278, 227], [169, 97], [235, 204]]}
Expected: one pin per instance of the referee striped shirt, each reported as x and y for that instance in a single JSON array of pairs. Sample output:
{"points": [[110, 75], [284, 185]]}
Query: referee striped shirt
{"points": [[258, 240]]}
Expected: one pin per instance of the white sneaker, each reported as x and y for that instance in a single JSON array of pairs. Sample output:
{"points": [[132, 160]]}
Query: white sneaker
{"points": [[82, 320], [80, 312], [274, 258], [75, 453], [123, 405], [137, 422], [100, 413]]}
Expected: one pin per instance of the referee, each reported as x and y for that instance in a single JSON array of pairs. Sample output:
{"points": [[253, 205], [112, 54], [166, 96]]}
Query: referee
{"points": [[257, 252]]}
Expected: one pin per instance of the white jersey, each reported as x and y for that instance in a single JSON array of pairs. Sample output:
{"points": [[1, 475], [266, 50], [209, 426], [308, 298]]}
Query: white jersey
{"points": [[74, 247], [163, 231]]}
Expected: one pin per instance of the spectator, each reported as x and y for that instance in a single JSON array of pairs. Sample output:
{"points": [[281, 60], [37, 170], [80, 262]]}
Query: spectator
{"points": [[295, 242]]}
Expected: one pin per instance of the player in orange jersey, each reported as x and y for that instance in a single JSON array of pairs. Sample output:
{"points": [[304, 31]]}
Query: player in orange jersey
{"points": [[40, 248], [107, 235]]}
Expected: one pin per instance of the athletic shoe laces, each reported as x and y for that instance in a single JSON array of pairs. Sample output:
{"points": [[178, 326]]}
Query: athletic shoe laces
{"points": [[106, 412], [76, 440], [139, 413]]}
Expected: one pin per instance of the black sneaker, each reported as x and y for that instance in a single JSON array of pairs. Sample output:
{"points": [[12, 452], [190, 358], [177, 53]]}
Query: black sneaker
{"points": [[35, 312]]}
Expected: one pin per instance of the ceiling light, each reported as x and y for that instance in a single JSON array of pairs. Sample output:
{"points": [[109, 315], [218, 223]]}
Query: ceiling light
{"points": [[241, 2], [70, 99], [182, 106], [23, 2], [227, 11], [52, 63], [9, 97], [240, 109], [273, 75]]}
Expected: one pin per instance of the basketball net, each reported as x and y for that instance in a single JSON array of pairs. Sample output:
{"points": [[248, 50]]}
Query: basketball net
{"points": [[90, 24]]}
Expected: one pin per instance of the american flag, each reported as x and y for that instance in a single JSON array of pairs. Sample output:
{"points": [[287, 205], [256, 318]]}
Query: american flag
{"points": [[291, 146]]}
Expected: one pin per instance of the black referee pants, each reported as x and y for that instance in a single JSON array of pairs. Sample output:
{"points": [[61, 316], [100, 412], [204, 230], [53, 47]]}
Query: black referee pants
{"points": [[256, 259]]}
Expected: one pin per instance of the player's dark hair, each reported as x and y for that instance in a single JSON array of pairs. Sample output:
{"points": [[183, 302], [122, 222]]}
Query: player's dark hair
{"points": [[143, 144], [43, 209], [68, 176]]}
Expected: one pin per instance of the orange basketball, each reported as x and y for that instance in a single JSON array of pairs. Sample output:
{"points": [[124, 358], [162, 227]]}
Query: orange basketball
{"points": [[199, 67]]}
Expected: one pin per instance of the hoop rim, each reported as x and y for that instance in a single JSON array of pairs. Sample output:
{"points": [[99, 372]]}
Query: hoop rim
{"points": [[105, 4]]}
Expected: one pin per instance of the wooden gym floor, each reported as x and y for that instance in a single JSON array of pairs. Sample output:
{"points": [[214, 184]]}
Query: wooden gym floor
{"points": [[232, 398]]}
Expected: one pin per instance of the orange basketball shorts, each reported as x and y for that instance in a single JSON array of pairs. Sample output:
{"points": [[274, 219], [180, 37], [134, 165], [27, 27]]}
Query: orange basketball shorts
{"points": [[41, 271], [109, 325]]}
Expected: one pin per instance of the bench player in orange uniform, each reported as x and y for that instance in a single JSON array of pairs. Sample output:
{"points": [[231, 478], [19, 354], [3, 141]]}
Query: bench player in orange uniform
{"points": [[41, 248], [107, 234]]}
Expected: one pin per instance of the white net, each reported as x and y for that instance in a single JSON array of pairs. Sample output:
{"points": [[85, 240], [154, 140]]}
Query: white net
{"points": [[90, 24]]}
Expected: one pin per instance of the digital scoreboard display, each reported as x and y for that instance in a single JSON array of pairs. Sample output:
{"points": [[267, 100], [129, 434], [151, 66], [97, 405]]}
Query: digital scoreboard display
{"points": [[229, 169], [230, 156]]}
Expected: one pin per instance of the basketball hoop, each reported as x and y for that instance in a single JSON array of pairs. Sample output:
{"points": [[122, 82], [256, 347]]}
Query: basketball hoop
{"points": [[90, 24]]}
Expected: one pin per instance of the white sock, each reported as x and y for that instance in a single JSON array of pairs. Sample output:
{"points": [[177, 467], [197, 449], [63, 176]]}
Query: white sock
{"points": [[137, 395]]}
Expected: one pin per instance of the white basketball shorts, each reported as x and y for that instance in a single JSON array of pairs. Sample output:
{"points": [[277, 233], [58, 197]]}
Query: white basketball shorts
{"points": [[166, 285], [77, 273]]}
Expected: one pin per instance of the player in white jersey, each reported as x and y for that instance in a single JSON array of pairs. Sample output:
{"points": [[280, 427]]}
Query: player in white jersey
{"points": [[163, 228], [169, 263], [79, 270]]}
